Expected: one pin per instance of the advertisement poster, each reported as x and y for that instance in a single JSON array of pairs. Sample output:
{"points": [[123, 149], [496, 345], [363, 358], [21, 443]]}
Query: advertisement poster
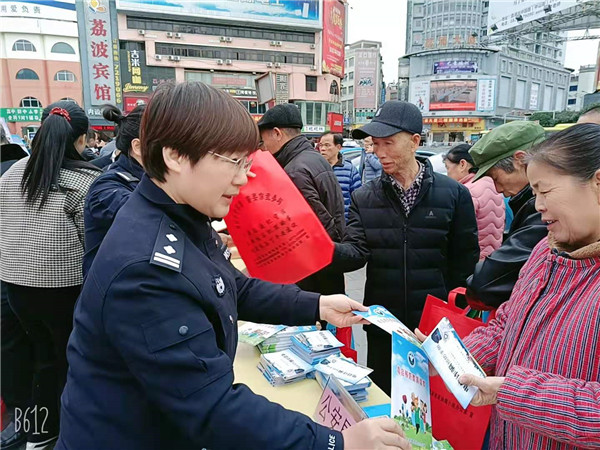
{"points": [[503, 14], [333, 37], [419, 95], [300, 13], [442, 67], [365, 78], [486, 93], [411, 403], [453, 95], [139, 78], [534, 95]]}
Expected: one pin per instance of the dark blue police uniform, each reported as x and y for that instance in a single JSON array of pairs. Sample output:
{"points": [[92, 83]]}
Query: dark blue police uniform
{"points": [[154, 338], [107, 194]]}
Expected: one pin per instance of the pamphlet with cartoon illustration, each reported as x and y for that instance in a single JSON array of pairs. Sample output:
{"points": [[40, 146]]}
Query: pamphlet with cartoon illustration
{"points": [[410, 391], [254, 333], [451, 359], [380, 316]]}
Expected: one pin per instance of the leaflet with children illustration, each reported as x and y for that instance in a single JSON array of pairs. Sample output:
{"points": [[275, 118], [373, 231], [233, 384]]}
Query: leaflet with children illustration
{"points": [[254, 333], [451, 359], [380, 316]]}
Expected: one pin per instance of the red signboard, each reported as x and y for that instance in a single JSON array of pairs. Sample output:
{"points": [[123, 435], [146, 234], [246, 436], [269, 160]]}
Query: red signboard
{"points": [[335, 122], [333, 37], [130, 103]]}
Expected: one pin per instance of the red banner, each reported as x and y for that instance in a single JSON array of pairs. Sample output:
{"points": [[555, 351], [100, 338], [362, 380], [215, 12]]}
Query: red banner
{"points": [[278, 235], [335, 122], [333, 37]]}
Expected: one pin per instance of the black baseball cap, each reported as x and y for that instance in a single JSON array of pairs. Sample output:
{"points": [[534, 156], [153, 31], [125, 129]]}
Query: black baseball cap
{"points": [[286, 115], [393, 117]]}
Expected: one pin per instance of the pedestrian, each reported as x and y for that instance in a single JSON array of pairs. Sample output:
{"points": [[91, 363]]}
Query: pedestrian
{"points": [[414, 228], [489, 204], [155, 328], [41, 199], [280, 131], [500, 154], [371, 166], [111, 190], [541, 353], [347, 175]]}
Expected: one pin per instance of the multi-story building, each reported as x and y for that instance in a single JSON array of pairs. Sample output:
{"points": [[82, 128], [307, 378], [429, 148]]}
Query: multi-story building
{"points": [[580, 84], [231, 51], [363, 82], [39, 54], [464, 87], [391, 92]]}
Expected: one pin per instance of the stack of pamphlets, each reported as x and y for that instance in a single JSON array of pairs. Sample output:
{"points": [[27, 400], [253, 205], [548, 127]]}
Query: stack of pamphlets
{"points": [[314, 346], [282, 339], [358, 390], [255, 333], [284, 367]]}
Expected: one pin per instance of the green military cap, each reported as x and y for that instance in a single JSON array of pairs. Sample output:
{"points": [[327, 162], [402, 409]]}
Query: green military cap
{"points": [[504, 141]]}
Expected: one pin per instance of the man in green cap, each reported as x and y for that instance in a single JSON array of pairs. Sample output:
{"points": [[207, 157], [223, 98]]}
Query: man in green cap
{"points": [[500, 154]]}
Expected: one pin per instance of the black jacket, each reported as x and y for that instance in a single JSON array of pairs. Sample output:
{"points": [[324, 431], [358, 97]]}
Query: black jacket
{"points": [[495, 276], [431, 251], [314, 177]]}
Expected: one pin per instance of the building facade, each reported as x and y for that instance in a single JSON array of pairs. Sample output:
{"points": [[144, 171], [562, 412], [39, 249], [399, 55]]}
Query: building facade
{"points": [[39, 55], [464, 87], [231, 53], [580, 84], [362, 86]]}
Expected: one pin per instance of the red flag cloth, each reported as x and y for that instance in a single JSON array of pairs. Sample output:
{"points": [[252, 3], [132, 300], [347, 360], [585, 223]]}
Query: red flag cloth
{"points": [[464, 428], [278, 235]]}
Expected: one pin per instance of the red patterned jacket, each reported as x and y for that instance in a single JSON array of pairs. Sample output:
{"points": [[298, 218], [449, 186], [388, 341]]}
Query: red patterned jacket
{"points": [[546, 341]]}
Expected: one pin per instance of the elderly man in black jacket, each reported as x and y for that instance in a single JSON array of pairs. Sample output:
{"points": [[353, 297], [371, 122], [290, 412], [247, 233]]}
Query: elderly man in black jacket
{"points": [[501, 154], [415, 229], [280, 129]]}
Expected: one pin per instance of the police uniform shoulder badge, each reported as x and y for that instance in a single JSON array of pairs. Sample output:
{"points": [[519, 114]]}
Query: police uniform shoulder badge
{"points": [[128, 177], [168, 248], [219, 285]]}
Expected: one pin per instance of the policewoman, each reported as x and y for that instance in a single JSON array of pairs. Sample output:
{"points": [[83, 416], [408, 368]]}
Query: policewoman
{"points": [[111, 190], [155, 328]]}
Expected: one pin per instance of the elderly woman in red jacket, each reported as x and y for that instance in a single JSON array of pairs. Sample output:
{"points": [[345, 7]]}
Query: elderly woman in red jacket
{"points": [[542, 351]]}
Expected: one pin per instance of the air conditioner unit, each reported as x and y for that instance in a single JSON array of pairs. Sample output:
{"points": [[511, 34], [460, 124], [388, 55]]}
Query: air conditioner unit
{"points": [[169, 34], [220, 62], [158, 57], [273, 43], [228, 39], [228, 62], [269, 64], [278, 43], [313, 67], [174, 58], [223, 39], [277, 65], [142, 32], [178, 35], [313, 46]]}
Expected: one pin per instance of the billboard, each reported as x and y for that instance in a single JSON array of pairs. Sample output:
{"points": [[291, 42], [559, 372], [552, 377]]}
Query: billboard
{"points": [[419, 95], [333, 37], [486, 95], [503, 14], [39, 9], [299, 13], [139, 78], [534, 95], [365, 78], [453, 95], [442, 67]]}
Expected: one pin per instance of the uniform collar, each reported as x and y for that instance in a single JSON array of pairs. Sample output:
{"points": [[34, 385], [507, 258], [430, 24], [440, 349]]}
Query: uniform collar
{"points": [[193, 223], [129, 165]]}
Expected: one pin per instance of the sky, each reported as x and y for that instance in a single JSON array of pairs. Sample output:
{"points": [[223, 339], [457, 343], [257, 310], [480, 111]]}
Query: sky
{"points": [[385, 21]]}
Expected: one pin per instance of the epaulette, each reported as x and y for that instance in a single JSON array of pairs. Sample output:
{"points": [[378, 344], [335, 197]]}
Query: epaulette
{"points": [[168, 248], [128, 177]]}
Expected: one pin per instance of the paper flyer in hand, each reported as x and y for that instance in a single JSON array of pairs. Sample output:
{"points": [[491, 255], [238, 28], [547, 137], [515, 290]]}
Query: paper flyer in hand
{"points": [[254, 333], [343, 369], [451, 359], [411, 403], [380, 316]]}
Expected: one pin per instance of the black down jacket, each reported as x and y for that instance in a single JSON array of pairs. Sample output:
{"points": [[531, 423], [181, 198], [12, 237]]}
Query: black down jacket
{"points": [[495, 276], [315, 179], [431, 251]]}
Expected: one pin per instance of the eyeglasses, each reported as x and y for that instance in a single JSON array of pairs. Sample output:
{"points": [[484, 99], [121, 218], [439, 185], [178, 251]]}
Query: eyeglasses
{"points": [[241, 163]]}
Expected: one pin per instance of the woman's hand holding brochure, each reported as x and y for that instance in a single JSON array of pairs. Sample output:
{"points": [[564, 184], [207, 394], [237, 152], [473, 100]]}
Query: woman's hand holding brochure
{"points": [[378, 434], [488, 388]]}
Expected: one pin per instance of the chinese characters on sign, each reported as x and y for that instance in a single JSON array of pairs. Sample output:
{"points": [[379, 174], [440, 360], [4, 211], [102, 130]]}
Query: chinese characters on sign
{"points": [[331, 412], [333, 37], [486, 94], [21, 114], [282, 94], [102, 66], [365, 90], [134, 72]]}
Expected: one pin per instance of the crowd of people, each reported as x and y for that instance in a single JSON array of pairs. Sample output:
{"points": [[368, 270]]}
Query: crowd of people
{"points": [[120, 304]]}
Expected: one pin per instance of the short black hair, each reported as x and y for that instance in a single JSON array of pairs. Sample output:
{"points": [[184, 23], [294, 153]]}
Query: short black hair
{"points": [[338, 139]]}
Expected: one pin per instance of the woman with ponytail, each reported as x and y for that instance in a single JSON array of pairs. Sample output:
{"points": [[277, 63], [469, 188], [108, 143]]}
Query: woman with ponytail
{"points": [[111, 190], [41, 199]]}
